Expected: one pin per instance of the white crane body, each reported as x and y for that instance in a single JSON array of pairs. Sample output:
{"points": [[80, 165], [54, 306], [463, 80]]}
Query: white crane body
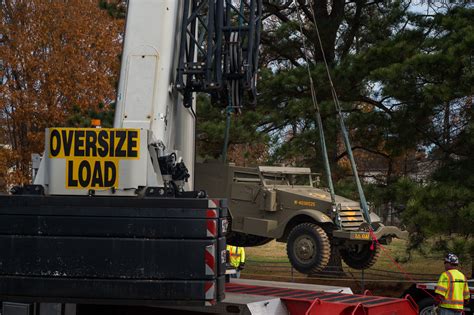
{"points": [[146, 96]]}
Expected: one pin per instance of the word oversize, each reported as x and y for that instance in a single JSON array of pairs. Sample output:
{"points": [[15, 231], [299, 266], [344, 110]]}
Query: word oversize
{"points": [[92, 155]]}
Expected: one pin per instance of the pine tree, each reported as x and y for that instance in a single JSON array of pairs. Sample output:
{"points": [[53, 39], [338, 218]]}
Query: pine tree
{"points": [[404, 79]]}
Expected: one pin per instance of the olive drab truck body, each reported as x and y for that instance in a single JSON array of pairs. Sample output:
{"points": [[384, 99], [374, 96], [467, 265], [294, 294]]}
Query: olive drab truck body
{"points": [[282, 203]]}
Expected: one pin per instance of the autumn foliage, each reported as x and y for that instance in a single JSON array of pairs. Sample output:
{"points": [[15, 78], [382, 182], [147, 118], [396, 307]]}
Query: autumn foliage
{"points": [[59, 57]]}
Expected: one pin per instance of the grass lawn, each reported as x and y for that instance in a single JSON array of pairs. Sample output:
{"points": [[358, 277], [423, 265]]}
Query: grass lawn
{"points": [[390, 276]]}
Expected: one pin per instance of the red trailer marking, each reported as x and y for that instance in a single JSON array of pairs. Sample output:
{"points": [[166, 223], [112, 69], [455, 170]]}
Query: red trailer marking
{"points": [[310, 302], [211, 228], [211, 213]]}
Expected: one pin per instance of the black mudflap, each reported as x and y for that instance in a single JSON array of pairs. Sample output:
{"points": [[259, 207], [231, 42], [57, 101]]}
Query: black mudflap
{"points": [[115, 250]]}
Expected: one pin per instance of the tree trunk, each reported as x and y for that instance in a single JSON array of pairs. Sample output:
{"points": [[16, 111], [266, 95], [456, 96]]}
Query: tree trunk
{"points": [[328, 25]]}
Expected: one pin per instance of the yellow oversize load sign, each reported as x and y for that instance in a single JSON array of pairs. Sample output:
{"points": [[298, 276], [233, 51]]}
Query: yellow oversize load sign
{"points": [[93, 154]]}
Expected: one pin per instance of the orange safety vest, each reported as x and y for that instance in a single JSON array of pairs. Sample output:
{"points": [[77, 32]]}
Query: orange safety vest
{"points": [[237, 255], [452, 285]]}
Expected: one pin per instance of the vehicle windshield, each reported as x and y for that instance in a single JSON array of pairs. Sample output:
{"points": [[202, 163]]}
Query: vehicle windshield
{"points": [[287, 179]]}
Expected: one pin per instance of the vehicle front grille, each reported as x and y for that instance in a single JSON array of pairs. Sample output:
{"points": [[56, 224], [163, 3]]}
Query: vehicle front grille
{"points": [[351, 218]]}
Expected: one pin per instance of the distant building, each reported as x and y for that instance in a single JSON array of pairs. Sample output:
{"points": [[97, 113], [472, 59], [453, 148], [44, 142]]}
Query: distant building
{"points": [[375, 169]]}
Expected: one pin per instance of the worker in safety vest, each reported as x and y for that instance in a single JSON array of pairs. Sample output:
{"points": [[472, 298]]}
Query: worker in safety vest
{"points": [[451, 291], [237, 259]]}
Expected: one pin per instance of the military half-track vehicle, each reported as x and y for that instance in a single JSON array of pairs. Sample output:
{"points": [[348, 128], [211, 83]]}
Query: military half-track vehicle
{"points": [[282, 203]]}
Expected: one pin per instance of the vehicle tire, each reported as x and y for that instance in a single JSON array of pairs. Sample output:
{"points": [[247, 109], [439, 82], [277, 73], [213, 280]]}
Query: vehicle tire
{"points": [[426, 306], [308, 248], [360, 255], [246, 240]]}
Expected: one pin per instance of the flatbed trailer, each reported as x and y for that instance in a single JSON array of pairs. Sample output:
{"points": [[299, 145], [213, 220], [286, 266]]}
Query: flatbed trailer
{"points": [[247, 297], [318, 299]]}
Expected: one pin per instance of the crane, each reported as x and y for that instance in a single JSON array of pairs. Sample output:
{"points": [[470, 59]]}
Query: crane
{"points": [[112, 215]]}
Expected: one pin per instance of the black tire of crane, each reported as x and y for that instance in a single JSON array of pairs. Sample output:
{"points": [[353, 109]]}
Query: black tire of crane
{"points": [[364, 258], [318, 256], [426, 306]]}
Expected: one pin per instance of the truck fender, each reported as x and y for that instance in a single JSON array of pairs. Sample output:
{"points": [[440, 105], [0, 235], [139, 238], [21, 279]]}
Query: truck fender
{"points": [[301, 216], [374, 218]]}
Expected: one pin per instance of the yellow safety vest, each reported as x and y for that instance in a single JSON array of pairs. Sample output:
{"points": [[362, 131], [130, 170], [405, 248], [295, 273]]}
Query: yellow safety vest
{"points": [[237, 255], [452, 285]]}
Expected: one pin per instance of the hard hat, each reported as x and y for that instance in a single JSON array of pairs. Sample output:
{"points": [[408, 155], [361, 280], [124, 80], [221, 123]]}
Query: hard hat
{"points": [[452, 259]]}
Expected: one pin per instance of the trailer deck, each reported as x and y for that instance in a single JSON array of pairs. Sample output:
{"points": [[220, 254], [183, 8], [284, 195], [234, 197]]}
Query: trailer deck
{"points": [[326, 300], [245, 296]]}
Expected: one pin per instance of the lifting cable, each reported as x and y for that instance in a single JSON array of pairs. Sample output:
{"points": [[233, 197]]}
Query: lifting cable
{"points": [[345, 134], [318, 117], [233, 87], [347, 144], [342, 124]]}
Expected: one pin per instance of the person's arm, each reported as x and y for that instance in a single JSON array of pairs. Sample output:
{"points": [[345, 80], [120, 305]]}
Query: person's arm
{"points": [[242, 258], [441, 288], [466, 293]]}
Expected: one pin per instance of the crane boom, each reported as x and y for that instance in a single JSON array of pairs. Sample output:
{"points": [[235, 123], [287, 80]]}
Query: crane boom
{"points": [[147, 98]]}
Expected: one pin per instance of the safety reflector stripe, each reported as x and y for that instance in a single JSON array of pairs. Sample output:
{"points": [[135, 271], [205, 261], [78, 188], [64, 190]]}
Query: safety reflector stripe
{"points": [[450, 286], [211, 228], [213, 203], [210, 260], [452, 303], [441, 289], [426, 286], [211, 213], [210, 290]]}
